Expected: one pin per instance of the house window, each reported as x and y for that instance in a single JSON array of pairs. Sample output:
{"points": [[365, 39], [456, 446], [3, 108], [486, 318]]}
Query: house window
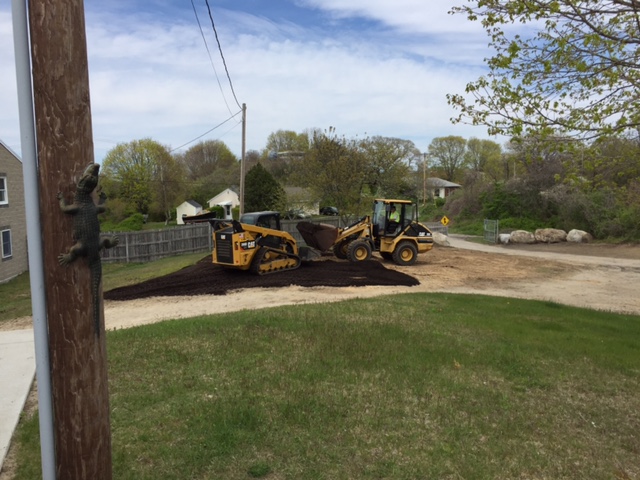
{"points": [[6, 243], [4, 198]]}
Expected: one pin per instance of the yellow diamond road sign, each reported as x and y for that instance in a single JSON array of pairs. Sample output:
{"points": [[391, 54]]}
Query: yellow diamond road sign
{"points": [[444, 221]]}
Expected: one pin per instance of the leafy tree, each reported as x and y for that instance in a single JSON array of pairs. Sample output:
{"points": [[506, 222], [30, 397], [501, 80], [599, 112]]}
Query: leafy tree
{"points": [[389, 166], [131, 168], [252, 157], [448, 153], [205, 158], [541, 163], [481, 154], [169, 177], [335, 170], [572, 68], [611, 162], [262, 191], [285, 149], [283, 142], [210, 167]]}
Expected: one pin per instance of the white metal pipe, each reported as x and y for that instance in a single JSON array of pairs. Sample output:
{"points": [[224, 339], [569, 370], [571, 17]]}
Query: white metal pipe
{"points": [[34, 240]]}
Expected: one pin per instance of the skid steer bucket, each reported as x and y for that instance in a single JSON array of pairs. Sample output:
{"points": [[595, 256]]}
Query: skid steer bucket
{"points": [[318, 235]]}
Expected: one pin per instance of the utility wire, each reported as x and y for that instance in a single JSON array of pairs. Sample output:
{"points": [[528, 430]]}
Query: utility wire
{"points": [[210, 58], [205, 133], [224, 62]]}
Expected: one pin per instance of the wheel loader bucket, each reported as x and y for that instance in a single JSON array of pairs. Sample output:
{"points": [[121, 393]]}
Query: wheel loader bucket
{"points": [[318, 235], [309, 254]]}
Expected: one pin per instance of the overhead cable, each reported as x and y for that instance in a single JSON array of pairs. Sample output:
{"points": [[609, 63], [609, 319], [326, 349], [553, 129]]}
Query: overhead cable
{"points": [[210, 58], [224, 62], [205, 133]]}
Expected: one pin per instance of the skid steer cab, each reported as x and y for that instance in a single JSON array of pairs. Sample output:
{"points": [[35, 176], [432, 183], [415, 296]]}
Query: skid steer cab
{"points": [[256, 243], [392, 230]]}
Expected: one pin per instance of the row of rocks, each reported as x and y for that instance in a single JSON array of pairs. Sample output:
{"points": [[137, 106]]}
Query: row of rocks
{"points": [[545, 235]]}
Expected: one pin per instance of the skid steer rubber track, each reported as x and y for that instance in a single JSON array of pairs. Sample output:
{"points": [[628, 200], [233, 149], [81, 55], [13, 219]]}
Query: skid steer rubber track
{"points": [[269, 260]]}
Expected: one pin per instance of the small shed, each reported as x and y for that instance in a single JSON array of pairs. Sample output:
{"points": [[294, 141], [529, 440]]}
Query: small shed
{"points": [[187, 208]]}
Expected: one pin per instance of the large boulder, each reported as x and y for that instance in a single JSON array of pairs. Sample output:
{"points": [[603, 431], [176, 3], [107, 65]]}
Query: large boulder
{"points": [[441, 239], [522, 236], [579, 236], [504, 238], [550, 235]]}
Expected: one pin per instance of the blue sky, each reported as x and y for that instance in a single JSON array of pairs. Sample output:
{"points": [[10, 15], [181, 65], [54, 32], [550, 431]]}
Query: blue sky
{"points": [[365, 67]]}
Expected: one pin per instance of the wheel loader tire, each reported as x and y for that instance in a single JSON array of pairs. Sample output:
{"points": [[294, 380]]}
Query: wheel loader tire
{"points": [[405, 253], [359, 251], [340, 250]]}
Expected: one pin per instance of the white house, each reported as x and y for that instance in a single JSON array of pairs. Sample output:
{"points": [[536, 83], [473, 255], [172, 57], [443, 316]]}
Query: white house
{"points": [[439, 188], [186, 209], [227, 199]]}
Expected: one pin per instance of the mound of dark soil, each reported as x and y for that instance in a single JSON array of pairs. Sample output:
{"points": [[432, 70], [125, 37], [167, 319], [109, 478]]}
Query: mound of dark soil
{"points": [[205, 278]]}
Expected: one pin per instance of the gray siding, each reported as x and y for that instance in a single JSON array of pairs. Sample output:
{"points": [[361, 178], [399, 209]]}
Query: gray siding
{"points": [[12, 216]]}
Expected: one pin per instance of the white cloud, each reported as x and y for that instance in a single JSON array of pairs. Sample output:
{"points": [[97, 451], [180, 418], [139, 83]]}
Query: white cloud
{"points": [[412, 16], [154, 78]]}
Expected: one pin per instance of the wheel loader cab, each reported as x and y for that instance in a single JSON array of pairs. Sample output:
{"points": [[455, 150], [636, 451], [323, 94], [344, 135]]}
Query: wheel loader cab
{"points": [[384, 225]]}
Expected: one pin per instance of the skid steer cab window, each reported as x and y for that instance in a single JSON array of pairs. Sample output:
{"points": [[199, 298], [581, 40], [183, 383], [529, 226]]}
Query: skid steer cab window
{"points": [[262, 219]]}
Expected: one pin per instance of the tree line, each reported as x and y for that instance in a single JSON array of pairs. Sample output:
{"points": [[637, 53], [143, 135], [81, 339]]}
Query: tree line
{"points": [[527, 183]]}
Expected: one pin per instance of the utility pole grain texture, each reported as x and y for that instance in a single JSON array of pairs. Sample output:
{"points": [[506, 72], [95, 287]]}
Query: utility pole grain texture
{"points": [[65, 148]]}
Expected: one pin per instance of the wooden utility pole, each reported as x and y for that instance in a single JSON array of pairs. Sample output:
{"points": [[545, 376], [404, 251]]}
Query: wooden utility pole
{"points": [[424, 179], [243, 166], [65, 147]]}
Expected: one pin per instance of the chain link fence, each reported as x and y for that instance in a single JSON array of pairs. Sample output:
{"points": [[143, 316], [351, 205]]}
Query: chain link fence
{"points": [[491, 230]]}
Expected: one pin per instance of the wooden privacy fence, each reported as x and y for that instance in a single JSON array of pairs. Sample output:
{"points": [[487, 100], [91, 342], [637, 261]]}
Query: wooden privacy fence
{"points": [[150, 245]]}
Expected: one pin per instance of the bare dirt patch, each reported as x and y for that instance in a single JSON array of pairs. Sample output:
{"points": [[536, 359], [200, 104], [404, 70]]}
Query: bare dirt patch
{"points": [[596, 276], [502, 271], [604, 250]]}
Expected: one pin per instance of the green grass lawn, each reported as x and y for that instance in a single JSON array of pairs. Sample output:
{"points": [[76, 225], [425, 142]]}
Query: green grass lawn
{"points": [[15, 296], [415, 386]]}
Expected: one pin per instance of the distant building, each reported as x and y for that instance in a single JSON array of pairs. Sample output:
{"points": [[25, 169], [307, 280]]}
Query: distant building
{"points": [[227, 199], [13, 221], [187, 209], [439, 188]]}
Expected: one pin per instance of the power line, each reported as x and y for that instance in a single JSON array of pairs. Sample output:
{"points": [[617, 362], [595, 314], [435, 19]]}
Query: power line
{"points": [[224, 62], [205, 133], [210, 58]]}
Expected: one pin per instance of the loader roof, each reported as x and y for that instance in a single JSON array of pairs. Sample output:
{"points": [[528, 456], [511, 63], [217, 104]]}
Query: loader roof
{"points": [[388, 200]]}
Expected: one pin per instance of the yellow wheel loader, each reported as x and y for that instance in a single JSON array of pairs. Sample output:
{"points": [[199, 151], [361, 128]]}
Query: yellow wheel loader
{"points": [[398, 237], [257, 244]]}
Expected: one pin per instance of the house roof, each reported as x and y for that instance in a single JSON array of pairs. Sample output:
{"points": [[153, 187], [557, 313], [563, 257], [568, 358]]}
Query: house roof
{"points": [[231, 189], [193, 203], [440, 183], [10, 151]]}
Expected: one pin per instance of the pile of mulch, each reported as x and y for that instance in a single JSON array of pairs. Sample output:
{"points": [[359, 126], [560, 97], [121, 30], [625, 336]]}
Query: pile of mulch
{"points": [[205, 278]]}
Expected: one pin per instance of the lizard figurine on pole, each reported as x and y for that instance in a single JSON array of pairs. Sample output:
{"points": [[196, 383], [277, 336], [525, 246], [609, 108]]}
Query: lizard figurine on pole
{"points": [[86, 232]]}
